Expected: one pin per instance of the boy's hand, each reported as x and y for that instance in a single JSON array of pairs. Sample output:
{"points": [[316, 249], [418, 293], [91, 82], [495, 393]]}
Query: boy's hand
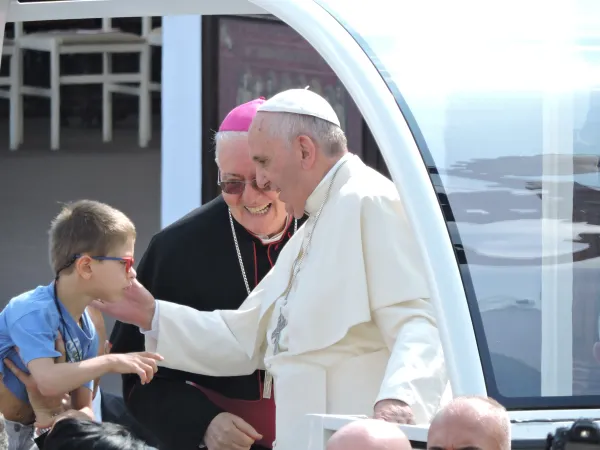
{"points": [[142, 363], [45, 408]]}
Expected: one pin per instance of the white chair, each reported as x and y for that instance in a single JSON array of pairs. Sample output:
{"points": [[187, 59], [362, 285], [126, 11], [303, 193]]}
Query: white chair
{"points": [[153, 37], [105, 41], [12, 82]]}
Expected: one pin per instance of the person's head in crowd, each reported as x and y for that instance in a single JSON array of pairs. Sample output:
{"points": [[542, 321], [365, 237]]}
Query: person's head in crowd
{"points": [[3, 434], [75, 434], [369, 434], [470, 422], [91, 249], [259, 210], [295, 140]]}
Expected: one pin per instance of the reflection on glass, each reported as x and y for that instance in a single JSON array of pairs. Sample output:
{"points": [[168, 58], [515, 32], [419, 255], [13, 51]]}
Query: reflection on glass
{"points": [[262, 58], [509, 108]]}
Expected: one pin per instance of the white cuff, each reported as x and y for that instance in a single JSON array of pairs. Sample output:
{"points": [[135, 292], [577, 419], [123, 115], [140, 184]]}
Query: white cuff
{"points": [[153, 331], [403, 395]]}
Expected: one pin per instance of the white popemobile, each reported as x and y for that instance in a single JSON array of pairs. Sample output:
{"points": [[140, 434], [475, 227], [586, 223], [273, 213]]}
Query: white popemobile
{"points": [[488, 117]]}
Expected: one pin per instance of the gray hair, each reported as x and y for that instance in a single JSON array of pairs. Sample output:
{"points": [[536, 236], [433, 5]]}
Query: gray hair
{"points": [[226, 136], [287, 127]]}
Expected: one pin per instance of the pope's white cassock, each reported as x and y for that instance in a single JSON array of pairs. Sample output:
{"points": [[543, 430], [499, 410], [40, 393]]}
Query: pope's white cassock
{"points": [[360, 325]]}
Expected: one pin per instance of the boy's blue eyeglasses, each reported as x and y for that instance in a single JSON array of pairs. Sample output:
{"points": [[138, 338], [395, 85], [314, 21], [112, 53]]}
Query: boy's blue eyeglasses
{"points": [[128, 261]]}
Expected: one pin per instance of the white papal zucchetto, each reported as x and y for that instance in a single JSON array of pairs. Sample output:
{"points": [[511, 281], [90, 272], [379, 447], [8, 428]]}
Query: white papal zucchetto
{"points": [[301, 101]]}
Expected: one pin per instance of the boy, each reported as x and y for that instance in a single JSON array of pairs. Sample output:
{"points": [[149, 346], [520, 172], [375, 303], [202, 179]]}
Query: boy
{"points": [[91, 253]]}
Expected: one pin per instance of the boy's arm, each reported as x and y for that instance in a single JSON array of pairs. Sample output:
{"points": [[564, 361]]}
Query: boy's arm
{"points": [[34, 333], [57, 378], [48, 409]]}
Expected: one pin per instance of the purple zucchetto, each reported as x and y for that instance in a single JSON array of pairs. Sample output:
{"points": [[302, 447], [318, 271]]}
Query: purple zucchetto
{"points": [[240, 117]]}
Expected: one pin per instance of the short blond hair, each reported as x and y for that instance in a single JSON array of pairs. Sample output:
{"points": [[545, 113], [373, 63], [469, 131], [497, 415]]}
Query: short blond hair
{"points": [[86, 226]]}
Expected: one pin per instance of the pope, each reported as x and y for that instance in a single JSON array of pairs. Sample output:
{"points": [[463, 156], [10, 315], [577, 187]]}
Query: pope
{"points": [[343, 323]]}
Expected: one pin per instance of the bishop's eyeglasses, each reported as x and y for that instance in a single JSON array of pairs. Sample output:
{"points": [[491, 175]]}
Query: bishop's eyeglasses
{"points": [[237, 187]]}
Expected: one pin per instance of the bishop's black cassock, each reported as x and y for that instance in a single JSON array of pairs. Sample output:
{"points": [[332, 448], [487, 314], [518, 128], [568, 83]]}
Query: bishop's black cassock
{"points": [[194, 262]]}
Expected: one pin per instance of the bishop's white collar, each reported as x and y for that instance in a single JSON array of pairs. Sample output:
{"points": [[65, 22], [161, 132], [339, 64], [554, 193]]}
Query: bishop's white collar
{"points": [[268, 240], [313, 203]]}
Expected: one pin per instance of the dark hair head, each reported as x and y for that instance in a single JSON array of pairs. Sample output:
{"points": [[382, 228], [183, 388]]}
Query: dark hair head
{"points": [[77, 434]]}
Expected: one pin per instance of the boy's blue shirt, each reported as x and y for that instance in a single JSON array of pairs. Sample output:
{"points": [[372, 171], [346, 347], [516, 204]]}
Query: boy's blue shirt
{"points": [[31, 322]]}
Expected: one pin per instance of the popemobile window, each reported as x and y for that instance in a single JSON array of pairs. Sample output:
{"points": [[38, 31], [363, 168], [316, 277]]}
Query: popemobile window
{"points": [[264, 57], [505, 110]]}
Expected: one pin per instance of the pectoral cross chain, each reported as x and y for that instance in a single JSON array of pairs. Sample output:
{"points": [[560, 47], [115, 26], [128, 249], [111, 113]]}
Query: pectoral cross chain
{"points": [[276, 335], [281, 324], [281, 320]]}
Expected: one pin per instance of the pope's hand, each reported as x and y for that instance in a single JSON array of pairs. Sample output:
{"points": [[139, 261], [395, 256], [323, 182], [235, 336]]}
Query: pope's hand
{"points": [[395, 411], [135, 306], [229, 432]]}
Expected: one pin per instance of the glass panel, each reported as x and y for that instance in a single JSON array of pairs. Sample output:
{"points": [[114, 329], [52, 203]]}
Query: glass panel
{"points": [[505, 107], [263, 57]]}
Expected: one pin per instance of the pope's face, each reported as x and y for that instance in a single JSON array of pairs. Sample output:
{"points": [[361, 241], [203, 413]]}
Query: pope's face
{"points": [[279, 167], [260, 212]]}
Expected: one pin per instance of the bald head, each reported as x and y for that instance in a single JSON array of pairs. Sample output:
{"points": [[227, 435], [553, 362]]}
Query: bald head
{"points": [[369, 434], [473, 423]]}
